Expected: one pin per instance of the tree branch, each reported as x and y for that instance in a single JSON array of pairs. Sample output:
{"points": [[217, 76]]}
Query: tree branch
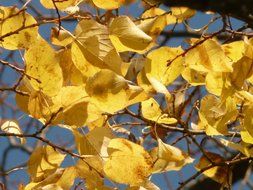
{"points": [[242, 10]]}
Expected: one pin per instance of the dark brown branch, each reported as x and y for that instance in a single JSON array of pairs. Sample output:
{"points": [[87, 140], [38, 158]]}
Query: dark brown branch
{"points": [[242, 10]]}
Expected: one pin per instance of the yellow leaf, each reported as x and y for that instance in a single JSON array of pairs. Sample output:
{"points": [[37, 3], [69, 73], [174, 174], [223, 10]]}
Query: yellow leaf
{"points": [[143, 82], [182, 13], [167, 158], [246, 137], [73, 100], [234, 50], [71, 75], [126, 36], [195, 78], [68, 177], [11, 126], [138, 167], [157, 85], [21, 100], [108, 4], [219, 174], [42, 64], [248, 120], [107, 91], [154, 20], [209, 56], [48, 183], [43, 162], [248, 45], [81, 63], [135, 94], [91, 170], [60, 4], [242, 69], [215, 82], [21, 28], [245, 95], [39, 106], [95, 47], [214, 116], [62, 38], [156, 64], [95, 142], [150, 110], [244, 148], [61, 179], [98, 122]]}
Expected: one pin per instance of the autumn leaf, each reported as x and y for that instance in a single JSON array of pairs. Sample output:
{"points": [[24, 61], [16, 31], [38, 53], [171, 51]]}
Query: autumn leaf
{"points": [[126, 36], [167, 158], [208, 56], [122, 151], [109, 4], [18, 26], [43, 162], [95, 142], [214, 116], [60, 4], [42, 64], [10, 126], [151, 110]]}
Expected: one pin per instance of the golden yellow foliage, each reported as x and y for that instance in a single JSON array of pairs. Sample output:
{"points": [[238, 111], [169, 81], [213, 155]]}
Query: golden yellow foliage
{"points": [[122, 151], [126, 36], [60, 4], [150, 110], [167, 158], [18, 26], [43, 162], [40, 58]]}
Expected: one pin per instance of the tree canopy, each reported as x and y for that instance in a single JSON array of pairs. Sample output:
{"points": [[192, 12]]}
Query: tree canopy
{"points": [[133, 103]]}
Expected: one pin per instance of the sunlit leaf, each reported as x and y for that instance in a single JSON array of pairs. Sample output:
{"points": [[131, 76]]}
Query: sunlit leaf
{"points": [[59, 180], [234, 50], [11, 126], [242, 69], [215, 82], [18, 26], [95, 142], [182, 13], [60, 4], [42, 63], [154, 20], [194, 77], [90, 169], [73, 100], [151, 110], [214, 116], [167, 158], [108, 91], [248, 120], [43, 162], [208, 56], [109, 4], [93, 47], [157, 64], [61, 38], [71, 75], [122, 151], [126, 36]]}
